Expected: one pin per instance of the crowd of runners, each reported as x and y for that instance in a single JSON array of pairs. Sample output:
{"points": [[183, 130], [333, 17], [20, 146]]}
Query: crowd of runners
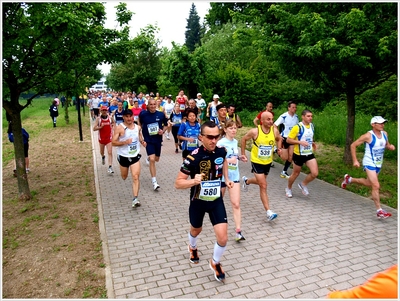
{"points": [[206, 136]]}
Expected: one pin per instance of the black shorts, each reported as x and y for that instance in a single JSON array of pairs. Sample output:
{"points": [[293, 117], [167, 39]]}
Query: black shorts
{"points": [[128, 161], [260, 168], [284, 143], [96, 111], [300, 160], [215, 209], [153, 148]]}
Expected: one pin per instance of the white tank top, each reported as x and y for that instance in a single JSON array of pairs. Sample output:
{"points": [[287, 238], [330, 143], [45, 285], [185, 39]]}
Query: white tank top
{"points": [[373, 154], [129, 150]]}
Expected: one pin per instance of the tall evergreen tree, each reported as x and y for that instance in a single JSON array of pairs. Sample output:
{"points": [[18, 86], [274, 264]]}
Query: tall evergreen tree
{"points": [[192, 34]]}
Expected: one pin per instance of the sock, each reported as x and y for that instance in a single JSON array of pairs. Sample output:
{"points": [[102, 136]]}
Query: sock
{"points": [[218, 251], [109, 166], [192, 241], [379, 210], [349, 180], [287, 165], [153, 179]]}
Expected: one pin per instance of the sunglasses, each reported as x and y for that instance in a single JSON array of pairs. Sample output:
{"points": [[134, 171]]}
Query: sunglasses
{"points": [[211, 137]]}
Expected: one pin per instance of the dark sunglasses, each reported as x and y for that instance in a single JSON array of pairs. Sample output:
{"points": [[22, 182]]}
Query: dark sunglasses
{"points": [[211, 137]]}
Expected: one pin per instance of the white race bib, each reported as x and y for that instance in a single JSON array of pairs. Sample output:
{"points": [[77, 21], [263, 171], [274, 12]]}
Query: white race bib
{"points": [[210, 190], [264, 152], [153, 128]]}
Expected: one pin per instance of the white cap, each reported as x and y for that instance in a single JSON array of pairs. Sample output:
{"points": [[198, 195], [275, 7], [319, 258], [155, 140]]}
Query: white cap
{"points": [[216, 96], [198, 94], [378, 119]]}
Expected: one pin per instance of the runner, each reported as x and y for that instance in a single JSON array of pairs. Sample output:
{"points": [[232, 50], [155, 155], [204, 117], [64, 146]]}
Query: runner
{"points": [[302, 136], [189, 132], [375, 141], [174, 123], [154, 125], [265, 137], [287, 120], [205, 167], [128, 138], [104, 124], [231, 146]]}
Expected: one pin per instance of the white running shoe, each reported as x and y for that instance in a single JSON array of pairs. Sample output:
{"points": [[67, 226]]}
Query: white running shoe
{"points": [[110, 170], [155, 186], [271, 215], [135, 203], [288, 192], [284, 175], [244, 185], [147, 161], [304, 189]]}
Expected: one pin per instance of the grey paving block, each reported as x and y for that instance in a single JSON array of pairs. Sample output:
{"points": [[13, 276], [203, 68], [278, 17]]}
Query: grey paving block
{"points": [[329, 240]]}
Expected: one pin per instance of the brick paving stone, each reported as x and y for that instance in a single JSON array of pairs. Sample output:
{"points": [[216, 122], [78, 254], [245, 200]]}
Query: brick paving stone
{"points": [[297, 256]]}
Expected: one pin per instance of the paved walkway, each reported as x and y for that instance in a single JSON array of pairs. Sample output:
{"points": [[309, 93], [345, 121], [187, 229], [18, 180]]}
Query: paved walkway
{"points": [[329, 240]]}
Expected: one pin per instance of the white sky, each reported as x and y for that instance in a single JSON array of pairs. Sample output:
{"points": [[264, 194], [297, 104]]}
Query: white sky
{"points": [[169, 16]]}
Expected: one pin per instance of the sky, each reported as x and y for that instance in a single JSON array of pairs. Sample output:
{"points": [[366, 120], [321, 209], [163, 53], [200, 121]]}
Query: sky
{"points": [[169, 16]]}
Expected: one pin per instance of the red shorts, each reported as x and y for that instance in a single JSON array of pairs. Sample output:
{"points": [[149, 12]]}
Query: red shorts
{"points": [[105, 142]]}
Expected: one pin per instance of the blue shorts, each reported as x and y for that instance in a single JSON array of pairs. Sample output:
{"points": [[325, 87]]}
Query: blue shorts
{"points": [[373, 168], [153, 148]]}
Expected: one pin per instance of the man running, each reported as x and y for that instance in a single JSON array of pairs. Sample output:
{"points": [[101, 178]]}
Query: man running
{"points": [[104, 125], [265, 137], [154, 124], [302, 136], [376, 141], [128, 138], [205, 166], [288, 120]]}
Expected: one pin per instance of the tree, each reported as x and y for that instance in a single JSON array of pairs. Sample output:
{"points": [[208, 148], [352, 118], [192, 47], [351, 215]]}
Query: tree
{"points": [[42, 42], [192, 34], [142, 65], [347, 48]]}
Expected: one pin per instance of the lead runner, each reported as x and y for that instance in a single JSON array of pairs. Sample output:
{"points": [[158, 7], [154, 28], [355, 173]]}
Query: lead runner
{"points": [[205, 166]]}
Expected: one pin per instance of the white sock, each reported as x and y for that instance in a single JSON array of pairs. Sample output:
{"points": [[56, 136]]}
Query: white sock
{"points": [[218, 251], [153, 179], [192, 241]]}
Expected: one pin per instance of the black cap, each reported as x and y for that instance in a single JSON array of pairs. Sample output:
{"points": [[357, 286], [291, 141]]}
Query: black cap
{"points": [[169, 96], [220, 106], [127, 112]]}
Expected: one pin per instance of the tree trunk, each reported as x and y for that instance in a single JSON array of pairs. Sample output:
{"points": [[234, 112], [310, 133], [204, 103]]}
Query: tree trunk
{"points": [[14, 112], [351, 117]]}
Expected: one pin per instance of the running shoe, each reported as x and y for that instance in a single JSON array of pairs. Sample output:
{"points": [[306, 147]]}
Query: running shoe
{"points": [[218, 271], [284, 175], [304, 189], [383, 214], [110, 170], [271, 215], [155, 186], [288, 192], [27, 170], [103, 160], [176, 151], [135, 203], [239, 236], [245, 186], [147, 161], [272, 164], [194, 258], [345, 181]]}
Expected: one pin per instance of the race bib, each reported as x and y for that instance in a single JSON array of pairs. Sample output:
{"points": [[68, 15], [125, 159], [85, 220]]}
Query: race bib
{"points": [[264, 152], [210, 190], [153, 128], [182, 107], [176, 119], [132, 148], [192, 144]]}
